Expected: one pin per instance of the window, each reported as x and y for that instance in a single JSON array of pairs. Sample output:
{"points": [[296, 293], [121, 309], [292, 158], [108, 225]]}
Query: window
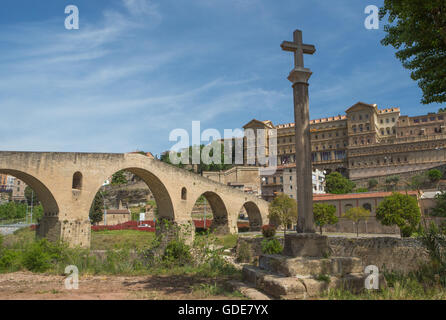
{"points": [[77, 181], [184, 194]]}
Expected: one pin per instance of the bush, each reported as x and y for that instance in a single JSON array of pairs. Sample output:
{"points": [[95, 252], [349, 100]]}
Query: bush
{"points": [[9, 260], [244, 252], [373, 183], [271, 246], [269, 231], [36, 259], [177, 252]]}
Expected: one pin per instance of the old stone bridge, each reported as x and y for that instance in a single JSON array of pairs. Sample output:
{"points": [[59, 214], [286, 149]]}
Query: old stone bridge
{"points": [[66, 184]]}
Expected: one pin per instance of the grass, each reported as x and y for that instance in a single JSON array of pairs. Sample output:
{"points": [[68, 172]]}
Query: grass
{"points": [[125, 254], [106, 240], [207, 290]]}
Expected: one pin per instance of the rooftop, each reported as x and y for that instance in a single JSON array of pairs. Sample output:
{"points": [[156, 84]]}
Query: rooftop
{"points": [[365, 195]]}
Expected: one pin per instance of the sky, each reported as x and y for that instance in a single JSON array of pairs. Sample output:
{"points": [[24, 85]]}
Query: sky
{"points": [[137, 69]]}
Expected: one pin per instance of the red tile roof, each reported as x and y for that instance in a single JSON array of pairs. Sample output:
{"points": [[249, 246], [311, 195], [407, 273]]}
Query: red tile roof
{"points": [[327, 197]]}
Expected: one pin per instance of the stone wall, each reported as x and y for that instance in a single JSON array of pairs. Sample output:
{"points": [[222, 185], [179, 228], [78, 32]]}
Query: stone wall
{"points": [[386, 253], [393, 254]]}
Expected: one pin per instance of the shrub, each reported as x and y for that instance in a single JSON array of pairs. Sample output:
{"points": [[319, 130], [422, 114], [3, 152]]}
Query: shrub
{"points": [[9, 260], [243, 229], [244, 252], [177, 252], [36, 258], [269, 231], [373, 183], [271, 246]]}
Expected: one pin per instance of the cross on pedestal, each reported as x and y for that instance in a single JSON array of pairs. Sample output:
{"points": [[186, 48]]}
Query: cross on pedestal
{"points": [[299, 48], [304, 186]]}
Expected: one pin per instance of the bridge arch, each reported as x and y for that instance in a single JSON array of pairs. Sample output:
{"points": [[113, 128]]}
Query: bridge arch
{"points": [[45, 196], [254, 216], [219, 211], [158, 189]]}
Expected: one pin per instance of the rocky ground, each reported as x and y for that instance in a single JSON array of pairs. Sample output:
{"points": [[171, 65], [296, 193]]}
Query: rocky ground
{"points": [[30, 286]]}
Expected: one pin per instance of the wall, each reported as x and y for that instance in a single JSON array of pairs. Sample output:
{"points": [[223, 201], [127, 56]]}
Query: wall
{"points": [[386, 253]]}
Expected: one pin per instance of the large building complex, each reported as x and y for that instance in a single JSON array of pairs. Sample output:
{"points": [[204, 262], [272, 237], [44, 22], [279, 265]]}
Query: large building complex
{"points": [[365, 142]]}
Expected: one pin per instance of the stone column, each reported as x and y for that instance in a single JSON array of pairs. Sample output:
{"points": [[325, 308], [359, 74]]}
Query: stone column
{"points": [[299, 78]]}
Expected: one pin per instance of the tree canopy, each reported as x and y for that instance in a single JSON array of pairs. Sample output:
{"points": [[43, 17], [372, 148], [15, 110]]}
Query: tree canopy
{"points": [[324, 214], [96, 210], [283, 211], [203, 166], [400, 210], [356, 215], [417, 29], [335, 183]]}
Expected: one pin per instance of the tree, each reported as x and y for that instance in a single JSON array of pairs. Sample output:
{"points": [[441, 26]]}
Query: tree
{"points": [[119, 178], [324, 214], [203, 166], [434, 175], [400, 210], [335, 183], [392, 182], [96, 210], [283, 210], [356, 215], [373, 183], [440, 205], [31, 196], [417, 29]]}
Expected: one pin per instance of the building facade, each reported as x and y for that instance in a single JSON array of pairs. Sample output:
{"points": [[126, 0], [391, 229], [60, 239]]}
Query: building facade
{"points": [[365, 142], [283, 180], [369, 201]]}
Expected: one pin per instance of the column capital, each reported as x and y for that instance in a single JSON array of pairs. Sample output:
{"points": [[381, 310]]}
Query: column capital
{"points": [[300, 75]]}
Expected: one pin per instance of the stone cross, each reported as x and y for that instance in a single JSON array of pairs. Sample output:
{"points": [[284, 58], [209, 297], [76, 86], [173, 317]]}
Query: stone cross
{"points": [[299, 77], [298, 48]]}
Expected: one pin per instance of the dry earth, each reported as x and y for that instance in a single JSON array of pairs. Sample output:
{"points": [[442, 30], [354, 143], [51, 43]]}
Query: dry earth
{"points": [[30, 286]]}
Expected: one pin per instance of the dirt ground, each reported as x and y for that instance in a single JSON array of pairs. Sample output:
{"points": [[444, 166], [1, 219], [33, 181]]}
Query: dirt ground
{"points": [[30, 286]]}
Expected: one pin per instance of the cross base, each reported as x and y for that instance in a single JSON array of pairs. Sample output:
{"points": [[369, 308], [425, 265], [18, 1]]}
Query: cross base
{"points": [[306, 245]]}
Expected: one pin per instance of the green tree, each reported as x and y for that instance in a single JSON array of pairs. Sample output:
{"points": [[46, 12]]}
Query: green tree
{"points": [[357, 215], [203, 166], [400, 210], [335, 183], [31, 196], [324, 214], [434, 175], [373, 183], [392, 182], [119, 178], [417, 28], [440, 205], [96, 210], [283, 211]]}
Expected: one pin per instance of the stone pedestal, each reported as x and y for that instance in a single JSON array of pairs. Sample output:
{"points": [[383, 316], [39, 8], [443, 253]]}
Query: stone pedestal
{"points": [[306, 245]]}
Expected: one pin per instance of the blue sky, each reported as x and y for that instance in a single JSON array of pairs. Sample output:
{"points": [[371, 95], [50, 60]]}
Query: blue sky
{"points": [[137, 69]]}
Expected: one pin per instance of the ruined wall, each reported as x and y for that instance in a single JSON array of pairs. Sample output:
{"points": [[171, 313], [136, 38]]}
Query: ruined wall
{"points": [[386, 253]]}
